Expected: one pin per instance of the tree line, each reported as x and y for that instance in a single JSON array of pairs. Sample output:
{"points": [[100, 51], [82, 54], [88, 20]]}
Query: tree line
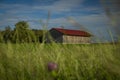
{"points": [[21, 34]]}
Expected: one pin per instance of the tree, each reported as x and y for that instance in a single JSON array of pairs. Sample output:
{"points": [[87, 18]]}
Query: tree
{"points": [[22, 33], [38, 34], [7, 36], [1, 36]]}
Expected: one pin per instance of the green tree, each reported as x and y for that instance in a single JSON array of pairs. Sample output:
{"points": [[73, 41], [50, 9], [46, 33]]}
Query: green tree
{"points": [[1, 36], [22, 33], [7, 36], [38, 34]]}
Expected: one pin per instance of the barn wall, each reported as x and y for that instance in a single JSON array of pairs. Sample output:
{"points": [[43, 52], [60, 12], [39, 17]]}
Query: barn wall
{"points": [[59, 39], [75, 39], [55, 36]]}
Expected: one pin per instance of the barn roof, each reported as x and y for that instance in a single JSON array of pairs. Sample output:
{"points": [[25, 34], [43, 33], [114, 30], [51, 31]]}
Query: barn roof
{"points": [[73, 32]]}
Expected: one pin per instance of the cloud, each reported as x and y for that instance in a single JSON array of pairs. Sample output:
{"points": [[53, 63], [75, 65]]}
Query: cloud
{"points": [[61, 5], [94, 22], [57, 7]]}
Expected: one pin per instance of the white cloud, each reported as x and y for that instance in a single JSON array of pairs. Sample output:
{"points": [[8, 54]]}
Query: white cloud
{"points": [[61, 5], [58, 7], [94, 22]]}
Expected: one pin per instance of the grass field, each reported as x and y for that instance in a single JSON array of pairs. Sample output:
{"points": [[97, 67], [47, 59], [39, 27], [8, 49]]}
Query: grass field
{"points": [[75, 61]]}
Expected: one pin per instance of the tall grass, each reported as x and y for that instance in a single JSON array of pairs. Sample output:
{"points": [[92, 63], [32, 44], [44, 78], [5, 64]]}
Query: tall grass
{"points": [[75, 62]]}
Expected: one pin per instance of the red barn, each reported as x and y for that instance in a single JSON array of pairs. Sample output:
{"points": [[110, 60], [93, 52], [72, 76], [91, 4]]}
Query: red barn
{"points": [[60, 35]]}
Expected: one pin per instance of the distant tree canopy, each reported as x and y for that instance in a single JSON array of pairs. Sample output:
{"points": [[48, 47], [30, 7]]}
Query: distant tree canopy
{"points": [[7, 34], [38, 34], [1, 36], [21, 33]]}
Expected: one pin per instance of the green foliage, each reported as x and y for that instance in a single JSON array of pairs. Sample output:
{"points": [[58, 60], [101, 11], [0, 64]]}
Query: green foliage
{"points": [[22, 33], [1, 36], [7, 34], [38, 34], [75, 62]]}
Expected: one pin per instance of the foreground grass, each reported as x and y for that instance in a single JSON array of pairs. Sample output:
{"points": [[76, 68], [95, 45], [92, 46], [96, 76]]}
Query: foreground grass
{"points": [[76, 62]]}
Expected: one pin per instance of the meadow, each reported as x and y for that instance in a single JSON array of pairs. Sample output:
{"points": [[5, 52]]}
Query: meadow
{"points": [[28, 61]]}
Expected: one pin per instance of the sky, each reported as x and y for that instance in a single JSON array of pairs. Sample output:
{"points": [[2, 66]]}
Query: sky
{"points": [[92, 15]]}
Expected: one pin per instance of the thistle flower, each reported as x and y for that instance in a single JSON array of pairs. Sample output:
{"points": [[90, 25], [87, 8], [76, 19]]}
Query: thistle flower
{"points": [[52, 66]]}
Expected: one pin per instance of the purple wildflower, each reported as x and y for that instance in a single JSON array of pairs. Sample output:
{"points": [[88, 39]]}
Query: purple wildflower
{"points": [[52, 66]]}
